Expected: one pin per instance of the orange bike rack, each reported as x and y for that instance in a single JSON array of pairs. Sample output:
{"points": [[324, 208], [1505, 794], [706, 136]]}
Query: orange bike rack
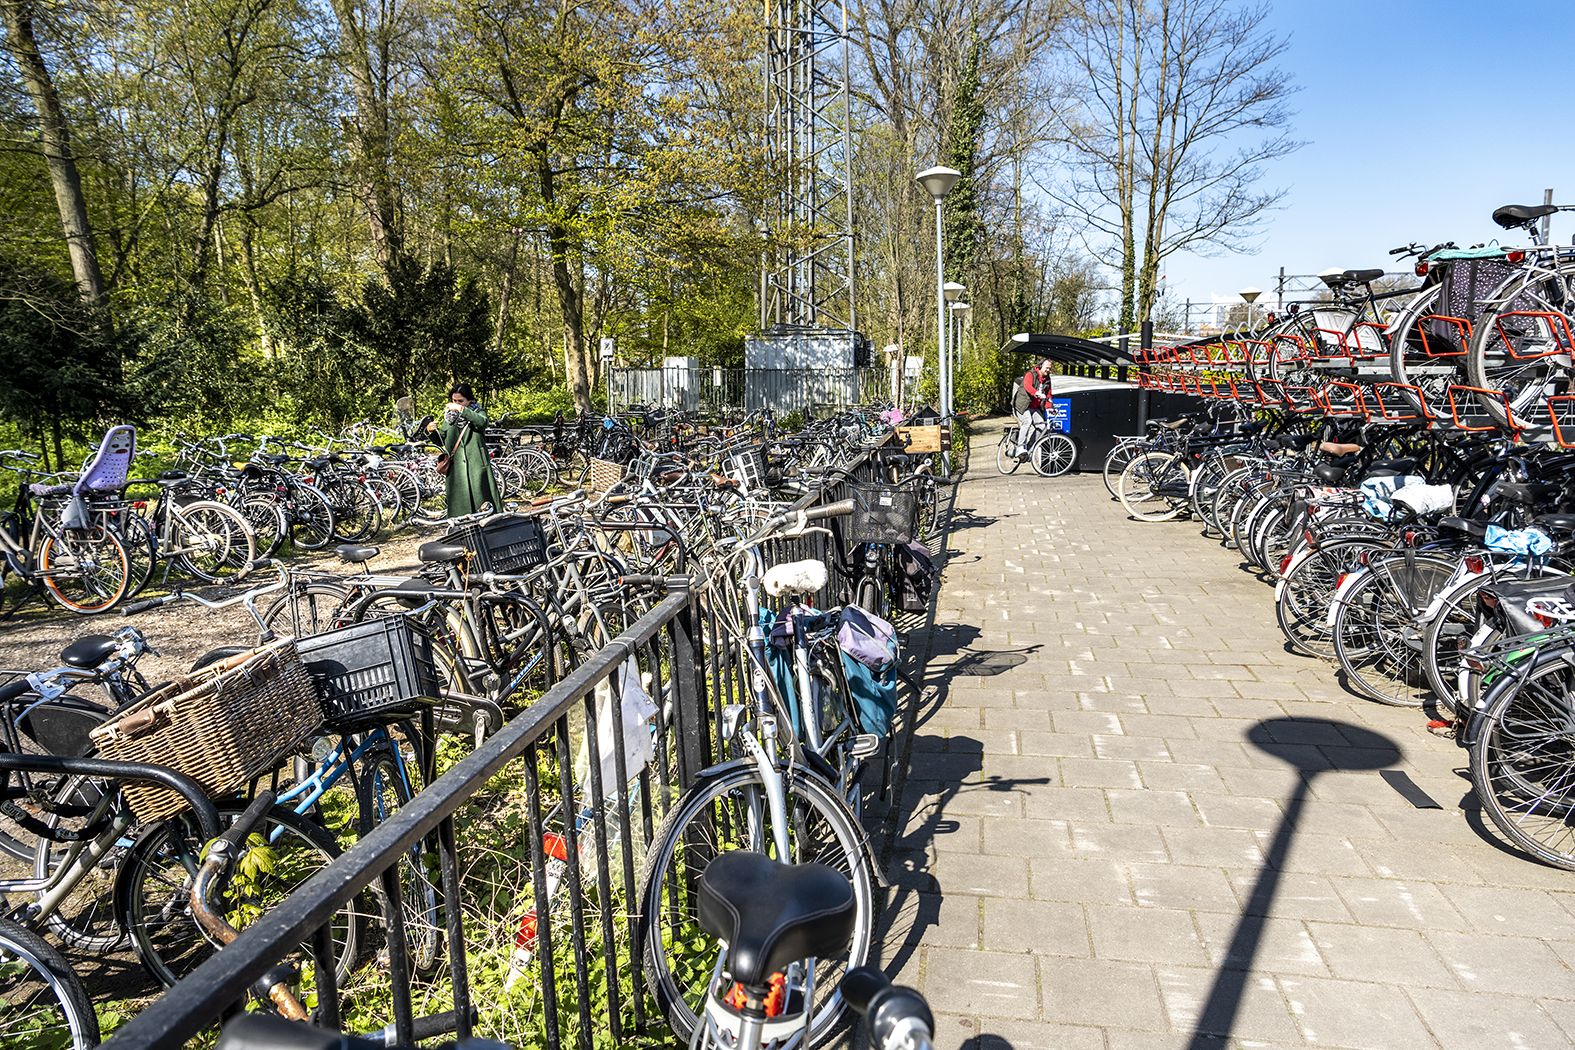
{"points": [[1454, 410], [1554, 405], [1557, 324], [1333, 403], [1403, 410], [1436, 348]]}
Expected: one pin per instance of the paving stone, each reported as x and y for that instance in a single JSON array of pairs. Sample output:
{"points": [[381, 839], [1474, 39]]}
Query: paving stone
{"points": [[1529, 913], [1153, 807], [1099, 773], [1512, 965], [1296, 896], [1228, 811], [1227, 847], [1035, 927], [991, 984], [982, 875], [1257, 1011], [1026, 838], [1268, 945], [1352, 1014], [1180, 776], [1183, 886], [1003, 1034], [1153, 935], [1080, 881], [1397, 902], [1481, 1022], [1379, 954], [1100, 992]]}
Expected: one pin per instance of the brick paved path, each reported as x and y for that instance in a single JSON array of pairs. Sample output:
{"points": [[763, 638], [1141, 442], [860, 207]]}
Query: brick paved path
{"points": [[1132, 819]]}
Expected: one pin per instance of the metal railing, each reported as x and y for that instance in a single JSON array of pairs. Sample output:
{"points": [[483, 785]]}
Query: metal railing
{"points": [[695, 667]]}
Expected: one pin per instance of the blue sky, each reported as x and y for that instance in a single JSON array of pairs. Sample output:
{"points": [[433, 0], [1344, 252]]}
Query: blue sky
{"points": [[1419, 119]]}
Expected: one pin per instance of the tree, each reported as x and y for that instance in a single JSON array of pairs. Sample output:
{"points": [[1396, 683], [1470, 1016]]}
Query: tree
{"points": [[54, 135], [1165, 148], [424, 324]]}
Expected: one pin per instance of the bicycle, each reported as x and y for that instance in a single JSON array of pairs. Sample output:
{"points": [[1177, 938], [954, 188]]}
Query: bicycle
{"points": [[1051, 451], [84, 569]]}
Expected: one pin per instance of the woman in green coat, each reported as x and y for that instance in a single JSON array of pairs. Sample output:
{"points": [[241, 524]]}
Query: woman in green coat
{"points": [[470, 480]]}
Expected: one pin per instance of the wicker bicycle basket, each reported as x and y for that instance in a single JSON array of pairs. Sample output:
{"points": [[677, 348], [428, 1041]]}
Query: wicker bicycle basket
{"points": [[221, 726], [883, 514], [604, 474]]}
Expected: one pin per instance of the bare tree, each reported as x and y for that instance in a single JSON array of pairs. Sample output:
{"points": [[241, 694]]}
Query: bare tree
{"points": [[1182, 104]]}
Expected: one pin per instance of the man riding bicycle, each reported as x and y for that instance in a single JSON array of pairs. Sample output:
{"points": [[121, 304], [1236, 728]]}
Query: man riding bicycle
{"points": [[1029, 399]]}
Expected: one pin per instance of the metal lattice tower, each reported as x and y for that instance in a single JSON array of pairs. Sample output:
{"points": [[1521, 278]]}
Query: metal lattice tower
{"points": [[809, 279]]}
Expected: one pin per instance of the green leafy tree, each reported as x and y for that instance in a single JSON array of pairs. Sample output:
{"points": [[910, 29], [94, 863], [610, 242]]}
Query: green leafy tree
{"points": [[425, 325]]}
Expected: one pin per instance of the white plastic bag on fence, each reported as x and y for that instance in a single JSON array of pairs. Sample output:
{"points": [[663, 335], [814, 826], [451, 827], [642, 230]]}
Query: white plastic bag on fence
{"points": [[637, 747]]}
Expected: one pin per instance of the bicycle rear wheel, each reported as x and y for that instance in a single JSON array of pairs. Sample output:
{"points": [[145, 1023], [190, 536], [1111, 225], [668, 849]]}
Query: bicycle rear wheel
{"points": [[1154, 486], [1006, 460], [218, 544], [385, 788], [728, 812], [84, 570], [311, 516], [42, 1000], [1523, 761], [1377, 633]]}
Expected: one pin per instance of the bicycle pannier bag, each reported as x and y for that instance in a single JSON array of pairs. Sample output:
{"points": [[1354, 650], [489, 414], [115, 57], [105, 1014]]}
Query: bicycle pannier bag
{"points": [[869, 663], [915, 577]]}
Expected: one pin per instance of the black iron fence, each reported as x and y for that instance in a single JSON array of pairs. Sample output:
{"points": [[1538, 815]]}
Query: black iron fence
{"points": [[584, 977]]}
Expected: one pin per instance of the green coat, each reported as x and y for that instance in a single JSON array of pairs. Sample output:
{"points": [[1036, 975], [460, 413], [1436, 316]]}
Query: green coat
{"points": [[470, 480]]}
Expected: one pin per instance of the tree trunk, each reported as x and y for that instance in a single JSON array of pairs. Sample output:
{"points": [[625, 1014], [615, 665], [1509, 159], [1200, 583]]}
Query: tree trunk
{"points": [[55, 135], [372, 140]]}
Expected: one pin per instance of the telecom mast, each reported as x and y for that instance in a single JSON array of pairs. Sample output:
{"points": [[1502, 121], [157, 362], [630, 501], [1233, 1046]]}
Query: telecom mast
{"points": [[807, 277]]}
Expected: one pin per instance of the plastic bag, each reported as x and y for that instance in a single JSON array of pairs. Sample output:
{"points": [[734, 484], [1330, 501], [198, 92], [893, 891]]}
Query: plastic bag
{"points": [[637, 746]]}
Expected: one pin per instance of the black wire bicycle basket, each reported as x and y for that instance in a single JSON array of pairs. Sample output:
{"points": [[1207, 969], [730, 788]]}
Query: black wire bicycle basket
{"points": [[883, 513], [509, 546]]}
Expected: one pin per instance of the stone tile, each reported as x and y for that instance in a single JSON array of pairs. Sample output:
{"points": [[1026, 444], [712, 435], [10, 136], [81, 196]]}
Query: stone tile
{"points": [[1397, 903], [991, 984], [1527, 913], [1486, 1022], [1179, 776], [982, 875], [1380, 954], [1183, 886], [1295, 896], [1079, 881], [1101, 992], [1132, 749], [1085, 722], [933, 919], [1320, 855], [1153, 935], [1061, 745], [1230, 811], [1005, 1034], [1259, 944], [1226, 847], [1349, 1014], [1127, 843], [1398, 860], [1152, 807], [1026, 838], [1037, 927], [1511, 965], [1082, 772], [1259, 1013], [1065, 803]]}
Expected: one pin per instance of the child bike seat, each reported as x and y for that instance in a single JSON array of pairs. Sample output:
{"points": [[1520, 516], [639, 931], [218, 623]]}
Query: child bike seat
{"points": [[774, 914]]}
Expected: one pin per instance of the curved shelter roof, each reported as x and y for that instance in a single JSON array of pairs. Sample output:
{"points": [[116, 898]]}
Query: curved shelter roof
{"points": [[1069, 349]]}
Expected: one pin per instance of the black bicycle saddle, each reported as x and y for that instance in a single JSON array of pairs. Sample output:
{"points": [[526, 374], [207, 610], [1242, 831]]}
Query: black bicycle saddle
{"points": [[1513, 215], [88, 651], [774, 914]]}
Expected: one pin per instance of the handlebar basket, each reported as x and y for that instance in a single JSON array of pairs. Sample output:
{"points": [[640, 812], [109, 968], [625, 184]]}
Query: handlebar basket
{"points": [[222, 725], [504, 545], [377, 671], [882, 513], [603, 475]]}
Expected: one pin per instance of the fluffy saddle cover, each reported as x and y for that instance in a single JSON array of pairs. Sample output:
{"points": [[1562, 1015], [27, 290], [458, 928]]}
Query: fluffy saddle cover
{"points": [[796, 577]]}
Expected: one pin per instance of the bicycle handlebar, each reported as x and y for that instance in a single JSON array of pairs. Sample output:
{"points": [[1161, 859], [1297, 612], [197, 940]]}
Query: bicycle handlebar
{"points": [[895, 1017], [188, 789]]}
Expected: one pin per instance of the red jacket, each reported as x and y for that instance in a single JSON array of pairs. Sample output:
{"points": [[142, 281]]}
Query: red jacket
{"points": [[1037, 387]]}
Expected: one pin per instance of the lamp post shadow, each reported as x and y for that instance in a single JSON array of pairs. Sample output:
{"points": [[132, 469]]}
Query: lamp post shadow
{"points": [[1312, 747]]}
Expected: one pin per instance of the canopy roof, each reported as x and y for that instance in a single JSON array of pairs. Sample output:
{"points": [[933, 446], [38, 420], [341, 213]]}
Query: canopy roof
{"points": [[1069, 349]]}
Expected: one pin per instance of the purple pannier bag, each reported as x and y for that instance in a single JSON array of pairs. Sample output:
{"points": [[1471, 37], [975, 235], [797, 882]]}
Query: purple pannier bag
{"points": [[867, 638]]}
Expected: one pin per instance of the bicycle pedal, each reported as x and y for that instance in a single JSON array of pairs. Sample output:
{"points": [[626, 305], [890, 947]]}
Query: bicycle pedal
{"points": [[864, 745]]}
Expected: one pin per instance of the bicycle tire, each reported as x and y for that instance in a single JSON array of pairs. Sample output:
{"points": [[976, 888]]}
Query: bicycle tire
{"points": [[216, 541], [1006, 461], [705, 821], [1376, 637], [1497, 357], [386, 494], [1303, 595], [309, 608], [142, 550], [311, 516], [1521, 758], [266, 517], [1142, 484], [153, 889], [383, 791], [1116, 461], [42, 1001], [404, 479], [538, 469], [84, 571], [1053, 455], [86, 920], [357, 516]]}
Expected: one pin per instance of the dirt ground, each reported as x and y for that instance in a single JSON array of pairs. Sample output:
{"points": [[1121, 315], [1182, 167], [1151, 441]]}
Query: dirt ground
{"points": [[31, 640]]}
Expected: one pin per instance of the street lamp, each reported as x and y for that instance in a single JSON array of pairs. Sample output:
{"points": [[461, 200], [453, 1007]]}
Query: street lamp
{"points": [[1250, 294], [953, 291], [960, 315], [937, 182]]}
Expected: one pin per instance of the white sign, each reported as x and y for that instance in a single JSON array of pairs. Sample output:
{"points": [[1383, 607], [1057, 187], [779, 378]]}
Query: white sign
{"points": [[607, 348], [915, 367]]}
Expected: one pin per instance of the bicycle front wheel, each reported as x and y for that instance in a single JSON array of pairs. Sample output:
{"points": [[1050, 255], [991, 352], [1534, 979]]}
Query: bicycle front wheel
{"points": [[1006, 460], [42, 1001], [216, 541], [729, 812], [1054, 455], [385, 788], [85, 570], [1521, 761], [1155, 486]]}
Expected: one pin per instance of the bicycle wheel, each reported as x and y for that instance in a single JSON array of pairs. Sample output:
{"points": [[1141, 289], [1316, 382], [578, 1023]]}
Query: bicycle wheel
{"points": [[1053, 455], [538, 470], [85, 570], [266, 517], [85, 920], [1378, 633], [309, 608], [1154, 486], [511, 479], [387, 496], [154, 887], [1523, 761], [409, 488], [356, 514], [216, 542], [1006, 460], [1302, 597], [924, 491], [142, 549], [42, 1001], [1125, 451], [311, 517], [728, 812], [1516, 348], [384, 788], [1206, 484]]}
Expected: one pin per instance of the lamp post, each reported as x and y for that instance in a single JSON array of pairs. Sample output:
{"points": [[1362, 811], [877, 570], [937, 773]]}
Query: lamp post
{"points": [[952, 291], [937, 182], [959, 315], [1250, 294]]}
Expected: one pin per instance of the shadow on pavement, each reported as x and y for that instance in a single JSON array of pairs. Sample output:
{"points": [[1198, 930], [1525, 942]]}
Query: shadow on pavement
{"points": [[1312, 747]]}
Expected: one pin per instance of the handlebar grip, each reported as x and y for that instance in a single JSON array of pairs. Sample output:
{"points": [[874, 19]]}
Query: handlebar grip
{"points": [[434, 1025], [639, 579], [830, 510], [891, 1006], [860, 985], [142, 606], [271, 1032], [248, 820]]}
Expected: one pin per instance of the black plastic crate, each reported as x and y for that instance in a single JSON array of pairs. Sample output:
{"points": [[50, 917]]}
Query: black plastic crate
{"points": [[374, 671], [508, 546], [883, 513]]}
